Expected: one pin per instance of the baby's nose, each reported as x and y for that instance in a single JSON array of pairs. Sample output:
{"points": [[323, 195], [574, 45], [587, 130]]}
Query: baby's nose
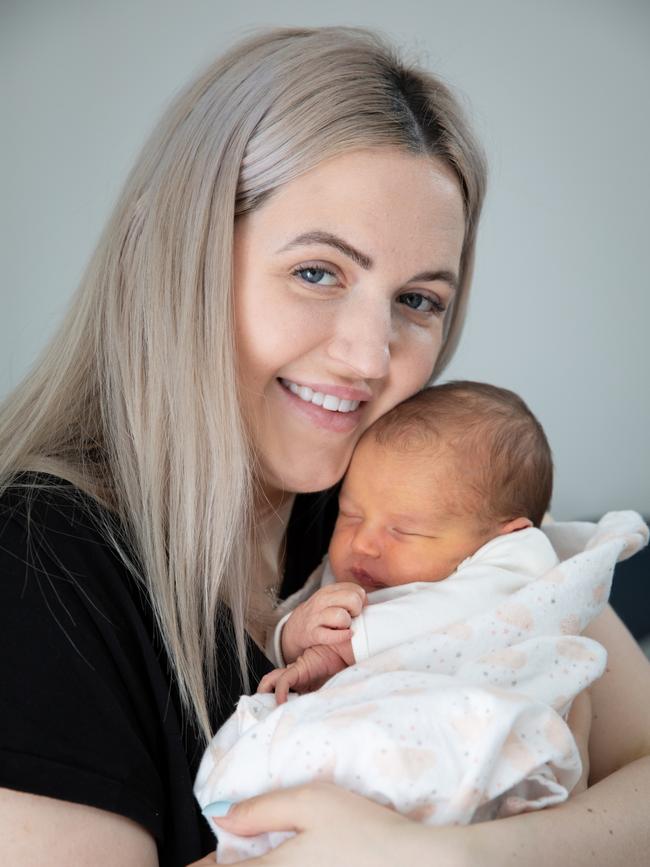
{"points": [[366, 542]]}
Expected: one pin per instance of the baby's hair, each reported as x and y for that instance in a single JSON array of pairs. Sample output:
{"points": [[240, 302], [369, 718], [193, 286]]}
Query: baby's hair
{"points": [[500, 455]]}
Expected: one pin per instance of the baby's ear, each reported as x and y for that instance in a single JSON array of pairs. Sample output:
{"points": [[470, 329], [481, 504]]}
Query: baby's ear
{"points": [[514, 525]]}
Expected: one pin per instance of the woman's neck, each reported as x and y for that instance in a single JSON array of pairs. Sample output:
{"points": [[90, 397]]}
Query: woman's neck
{"points": [[271, 524], [272, 513], [269, 501], [272, 521]]}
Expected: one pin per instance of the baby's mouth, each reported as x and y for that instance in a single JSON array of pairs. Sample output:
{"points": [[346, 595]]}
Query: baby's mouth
{"points": [[365, 579]]}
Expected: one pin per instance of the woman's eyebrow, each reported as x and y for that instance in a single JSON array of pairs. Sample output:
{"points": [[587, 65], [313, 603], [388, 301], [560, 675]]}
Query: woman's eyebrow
{"points": [[320, 237], [364, 261]]}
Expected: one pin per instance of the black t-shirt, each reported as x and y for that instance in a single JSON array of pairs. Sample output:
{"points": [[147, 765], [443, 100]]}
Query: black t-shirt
{"points": [[89, 710]]}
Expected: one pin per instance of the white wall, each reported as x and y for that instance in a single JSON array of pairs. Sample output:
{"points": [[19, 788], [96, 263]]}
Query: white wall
{"points": [[559, 93]]}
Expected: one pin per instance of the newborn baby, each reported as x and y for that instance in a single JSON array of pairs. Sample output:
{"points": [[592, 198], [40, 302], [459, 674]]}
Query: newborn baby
{"points": [[437, 649], [449, 486]]}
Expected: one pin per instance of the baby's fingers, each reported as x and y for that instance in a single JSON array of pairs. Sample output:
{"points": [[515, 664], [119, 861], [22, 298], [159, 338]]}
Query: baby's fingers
{"points": [[324, 635], [350, 596], [289, 677], [335, 618], [344, 594], [268, 682]]}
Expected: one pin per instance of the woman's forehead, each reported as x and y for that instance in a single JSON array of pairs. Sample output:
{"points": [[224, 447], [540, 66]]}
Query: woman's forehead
{"points": [[382, 202]]}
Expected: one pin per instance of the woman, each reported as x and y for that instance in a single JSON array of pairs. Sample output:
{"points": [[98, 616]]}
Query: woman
{"points": [[152, 459]]}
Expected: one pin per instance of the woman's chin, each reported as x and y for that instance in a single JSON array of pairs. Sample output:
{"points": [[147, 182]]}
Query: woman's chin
{"points": [[314, 482], [310, 479]]}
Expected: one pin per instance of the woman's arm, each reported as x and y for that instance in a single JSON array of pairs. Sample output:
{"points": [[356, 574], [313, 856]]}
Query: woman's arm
{"points": [[608, 823], [620, 730], [605, 825], [39, 830]]}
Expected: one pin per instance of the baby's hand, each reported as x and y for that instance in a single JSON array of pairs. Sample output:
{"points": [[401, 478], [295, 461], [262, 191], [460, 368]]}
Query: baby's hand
{"points": [[310, 671], [324, 618]]}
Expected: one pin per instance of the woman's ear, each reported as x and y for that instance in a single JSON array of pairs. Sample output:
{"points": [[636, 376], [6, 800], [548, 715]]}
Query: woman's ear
{"points": [[514, 525]]}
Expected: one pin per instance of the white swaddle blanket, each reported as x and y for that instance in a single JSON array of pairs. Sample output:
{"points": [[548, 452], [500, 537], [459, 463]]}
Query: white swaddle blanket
{"points": [[461, 724]]}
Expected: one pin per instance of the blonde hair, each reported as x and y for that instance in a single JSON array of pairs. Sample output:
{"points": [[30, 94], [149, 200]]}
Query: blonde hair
{"points": [[135, 399]]}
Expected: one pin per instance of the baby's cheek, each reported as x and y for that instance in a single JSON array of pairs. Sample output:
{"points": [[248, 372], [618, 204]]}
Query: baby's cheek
{"points": [[400, 572], [338, 552], [412, 562]]}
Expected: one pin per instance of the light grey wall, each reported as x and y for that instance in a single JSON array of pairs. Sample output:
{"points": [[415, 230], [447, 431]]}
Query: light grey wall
{"points": [[559, 93]]}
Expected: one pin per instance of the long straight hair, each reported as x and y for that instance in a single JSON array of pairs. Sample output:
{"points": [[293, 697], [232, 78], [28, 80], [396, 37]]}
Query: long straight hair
{"points": [[135, 399]]}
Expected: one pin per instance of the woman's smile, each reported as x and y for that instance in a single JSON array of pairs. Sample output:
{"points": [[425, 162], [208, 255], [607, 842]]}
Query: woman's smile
{"points": [[324, 408]]}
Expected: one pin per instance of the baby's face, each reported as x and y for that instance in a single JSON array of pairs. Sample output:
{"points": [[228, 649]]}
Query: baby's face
{"points": [[392, 528]]}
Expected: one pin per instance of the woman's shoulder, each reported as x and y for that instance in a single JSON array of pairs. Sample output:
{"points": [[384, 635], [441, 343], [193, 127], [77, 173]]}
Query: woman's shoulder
{"points": [[36, 508], [63, 584], [51, 502], [60, 538], [85, 692]]}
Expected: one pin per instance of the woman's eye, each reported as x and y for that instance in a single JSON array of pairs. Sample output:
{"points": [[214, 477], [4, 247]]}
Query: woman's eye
{"points": [[313, 275], [422, 303]]}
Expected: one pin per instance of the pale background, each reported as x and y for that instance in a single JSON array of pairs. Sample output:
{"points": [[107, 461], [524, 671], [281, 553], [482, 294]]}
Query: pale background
{"points": [[559, 94]]}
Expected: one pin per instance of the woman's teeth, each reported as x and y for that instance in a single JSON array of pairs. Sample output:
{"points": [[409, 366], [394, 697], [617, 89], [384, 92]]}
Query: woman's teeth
{"points": [[327, 401]]}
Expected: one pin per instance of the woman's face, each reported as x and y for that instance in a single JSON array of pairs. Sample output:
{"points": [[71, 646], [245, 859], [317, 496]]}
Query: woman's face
{"points": [[342, 279]]}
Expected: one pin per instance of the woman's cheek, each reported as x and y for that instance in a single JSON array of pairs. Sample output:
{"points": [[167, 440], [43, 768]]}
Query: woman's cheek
{"points": [[414, 366]]}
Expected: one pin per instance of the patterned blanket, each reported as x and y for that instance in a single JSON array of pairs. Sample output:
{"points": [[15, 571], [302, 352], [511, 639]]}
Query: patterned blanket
{"points": [[464, 724]]}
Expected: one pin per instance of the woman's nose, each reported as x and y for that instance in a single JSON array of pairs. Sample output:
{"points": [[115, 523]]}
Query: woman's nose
{"points": [[365, 542], [361, 340]]}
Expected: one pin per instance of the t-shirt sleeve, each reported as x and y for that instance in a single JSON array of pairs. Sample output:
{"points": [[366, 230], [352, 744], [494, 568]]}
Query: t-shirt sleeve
{"points": [[75, 708]]}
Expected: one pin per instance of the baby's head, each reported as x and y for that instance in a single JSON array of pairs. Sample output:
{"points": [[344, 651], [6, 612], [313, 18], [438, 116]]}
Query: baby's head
{"points": [[435, 479]]}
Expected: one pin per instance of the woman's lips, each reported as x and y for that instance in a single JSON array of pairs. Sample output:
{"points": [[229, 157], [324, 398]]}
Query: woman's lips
{"points": [[339, 422], [343, 391]]}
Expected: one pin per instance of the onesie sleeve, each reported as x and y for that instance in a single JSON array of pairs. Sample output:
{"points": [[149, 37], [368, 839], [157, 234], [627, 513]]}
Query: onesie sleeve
{"points": [[392, 616], [76, 718]]}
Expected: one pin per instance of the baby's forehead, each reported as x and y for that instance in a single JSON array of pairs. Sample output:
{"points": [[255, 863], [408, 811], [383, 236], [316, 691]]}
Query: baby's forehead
{"points": [[421, 471], [431, 475], [423, 452]]}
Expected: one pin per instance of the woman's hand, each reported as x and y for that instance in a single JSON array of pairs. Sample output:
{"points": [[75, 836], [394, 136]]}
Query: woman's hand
{"points": [[324, 618], [334, 826]]}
